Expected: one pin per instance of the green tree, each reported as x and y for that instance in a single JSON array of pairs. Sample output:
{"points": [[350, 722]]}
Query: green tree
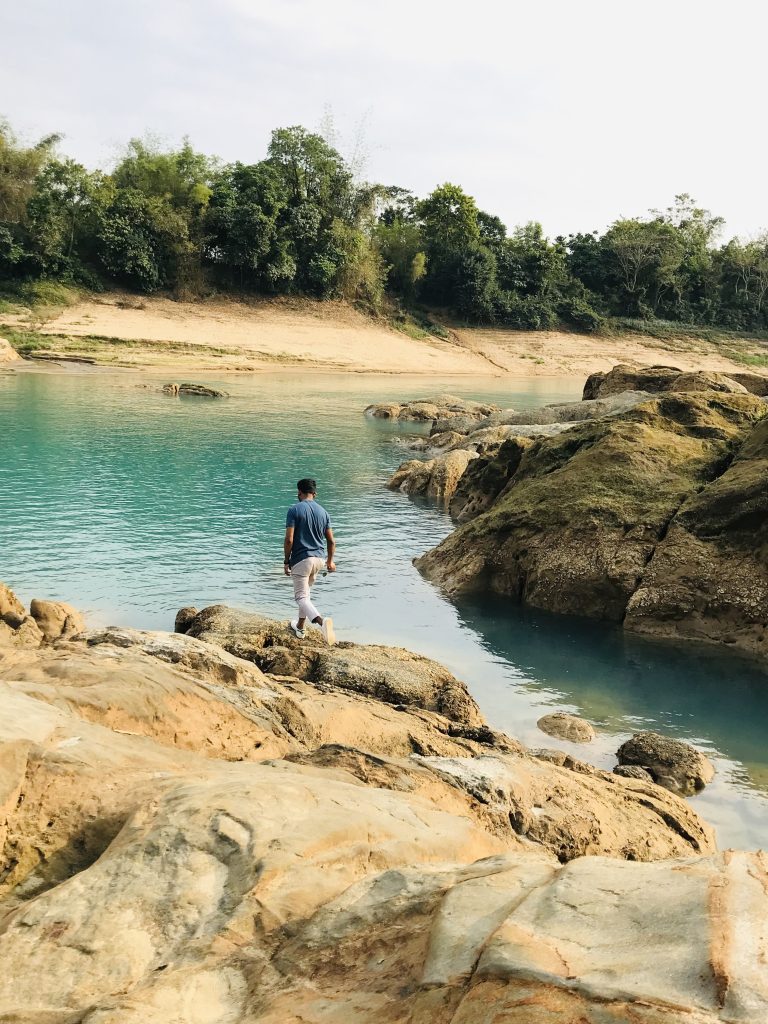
{"points": [[450, 229]]}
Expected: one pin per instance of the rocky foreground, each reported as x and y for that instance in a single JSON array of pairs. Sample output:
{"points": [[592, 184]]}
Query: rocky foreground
{"points": [[226, 825], [645, 504]]}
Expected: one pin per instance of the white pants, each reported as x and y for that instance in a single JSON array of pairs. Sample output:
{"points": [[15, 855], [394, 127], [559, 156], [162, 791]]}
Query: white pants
{"points": [[303, 575]]}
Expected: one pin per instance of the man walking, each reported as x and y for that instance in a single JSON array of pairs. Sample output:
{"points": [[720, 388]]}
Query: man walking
{"points": [[307, 531]]}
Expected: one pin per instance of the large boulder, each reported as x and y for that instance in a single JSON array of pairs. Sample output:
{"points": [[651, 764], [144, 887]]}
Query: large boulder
{"points": [[707, 579], [583, 514], [435, 478], [677, 766]]}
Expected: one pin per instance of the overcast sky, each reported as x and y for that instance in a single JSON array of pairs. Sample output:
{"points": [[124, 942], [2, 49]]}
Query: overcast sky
{"points": [[571, 112]]}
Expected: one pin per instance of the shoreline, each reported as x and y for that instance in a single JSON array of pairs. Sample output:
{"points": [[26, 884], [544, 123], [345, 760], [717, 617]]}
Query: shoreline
{"points": [[114, 331]]}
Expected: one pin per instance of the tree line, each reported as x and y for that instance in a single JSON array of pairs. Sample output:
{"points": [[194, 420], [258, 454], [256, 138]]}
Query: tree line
{"points": [[301, 222]]}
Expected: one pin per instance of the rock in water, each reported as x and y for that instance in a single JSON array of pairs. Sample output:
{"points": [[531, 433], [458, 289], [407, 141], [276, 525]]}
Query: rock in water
{"points": [[708, 577], [566, 727], [436, 478], [193, 390], [584, 513], [675, 765]]}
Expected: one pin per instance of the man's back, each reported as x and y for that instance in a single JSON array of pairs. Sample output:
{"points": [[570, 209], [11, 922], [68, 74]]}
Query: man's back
{"points": [[310, 522]]}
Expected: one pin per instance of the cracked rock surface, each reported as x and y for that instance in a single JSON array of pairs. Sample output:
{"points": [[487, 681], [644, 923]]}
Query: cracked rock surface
{"points": [[188, 836]]}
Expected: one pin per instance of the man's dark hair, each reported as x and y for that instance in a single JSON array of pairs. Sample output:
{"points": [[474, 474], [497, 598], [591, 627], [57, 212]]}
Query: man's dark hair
{"points": [[307, 486]]}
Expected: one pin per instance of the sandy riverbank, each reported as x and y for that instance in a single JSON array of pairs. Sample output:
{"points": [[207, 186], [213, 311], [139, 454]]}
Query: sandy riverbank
{"points": [[122, 330]]}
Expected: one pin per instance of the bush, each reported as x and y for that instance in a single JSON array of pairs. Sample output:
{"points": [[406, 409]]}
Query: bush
{"points": [[579, 314]]}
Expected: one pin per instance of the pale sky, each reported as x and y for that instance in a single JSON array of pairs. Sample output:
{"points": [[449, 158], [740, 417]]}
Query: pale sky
{"points": [[571, 112]]}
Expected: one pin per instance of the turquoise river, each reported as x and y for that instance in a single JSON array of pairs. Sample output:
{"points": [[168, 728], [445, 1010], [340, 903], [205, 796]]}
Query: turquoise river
{"points": [[129, 504]]}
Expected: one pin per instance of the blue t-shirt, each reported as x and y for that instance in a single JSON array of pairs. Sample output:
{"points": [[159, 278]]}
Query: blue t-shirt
{"points": [[309, 521]]}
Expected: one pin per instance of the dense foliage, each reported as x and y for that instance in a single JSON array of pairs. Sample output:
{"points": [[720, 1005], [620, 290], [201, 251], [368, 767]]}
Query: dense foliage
{"points": [[299, 222]]}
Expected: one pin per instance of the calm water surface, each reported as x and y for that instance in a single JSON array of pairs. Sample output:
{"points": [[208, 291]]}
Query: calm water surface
{"points": [[130, 504]]}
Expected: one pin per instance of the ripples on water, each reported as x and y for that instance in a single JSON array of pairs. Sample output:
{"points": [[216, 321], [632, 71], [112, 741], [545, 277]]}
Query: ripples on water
{"points": [[129, 504]]}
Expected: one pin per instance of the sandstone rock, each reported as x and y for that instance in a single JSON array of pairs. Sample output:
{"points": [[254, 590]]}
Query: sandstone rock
{"points": [[56, 619], [570, 412], [671, 763], [574, 811], [707, 381], [441, 407], [438, 442], [625, 377], [632, 771], [566, 727], [708, 577], [755, 383], [437, 478], [485, 478], [12, 611], [661, 378], [583, 514], [390, 674], [8, 353]]}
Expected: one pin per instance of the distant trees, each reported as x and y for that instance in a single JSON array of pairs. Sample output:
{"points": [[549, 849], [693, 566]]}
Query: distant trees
{"points": [[301, 222]]}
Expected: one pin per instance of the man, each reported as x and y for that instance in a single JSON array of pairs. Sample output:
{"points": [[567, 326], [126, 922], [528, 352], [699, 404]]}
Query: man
{"points": [[307, 531]]}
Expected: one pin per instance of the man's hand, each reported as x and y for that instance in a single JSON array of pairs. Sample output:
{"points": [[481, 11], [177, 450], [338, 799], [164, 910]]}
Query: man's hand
{"points": [[286, 569], [331, 565]]}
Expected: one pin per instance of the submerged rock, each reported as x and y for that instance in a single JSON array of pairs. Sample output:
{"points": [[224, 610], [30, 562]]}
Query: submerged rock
{"points": [[566, 727], [193, 390], [675, 765]]}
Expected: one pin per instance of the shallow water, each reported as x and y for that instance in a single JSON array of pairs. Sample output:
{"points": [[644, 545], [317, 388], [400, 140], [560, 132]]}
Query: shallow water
{"points": [[130, 504]]}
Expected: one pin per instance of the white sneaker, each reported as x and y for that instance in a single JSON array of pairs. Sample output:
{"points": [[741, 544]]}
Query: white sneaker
{"points": [[295, 627], [328, 632]]}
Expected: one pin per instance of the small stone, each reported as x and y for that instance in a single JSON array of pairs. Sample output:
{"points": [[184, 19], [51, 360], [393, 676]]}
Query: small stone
{"points": [[567, 727]]}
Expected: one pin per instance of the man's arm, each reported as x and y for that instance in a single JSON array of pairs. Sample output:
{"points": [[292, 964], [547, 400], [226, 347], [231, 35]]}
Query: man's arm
{"points": [[331, 544], [287, 547]]}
